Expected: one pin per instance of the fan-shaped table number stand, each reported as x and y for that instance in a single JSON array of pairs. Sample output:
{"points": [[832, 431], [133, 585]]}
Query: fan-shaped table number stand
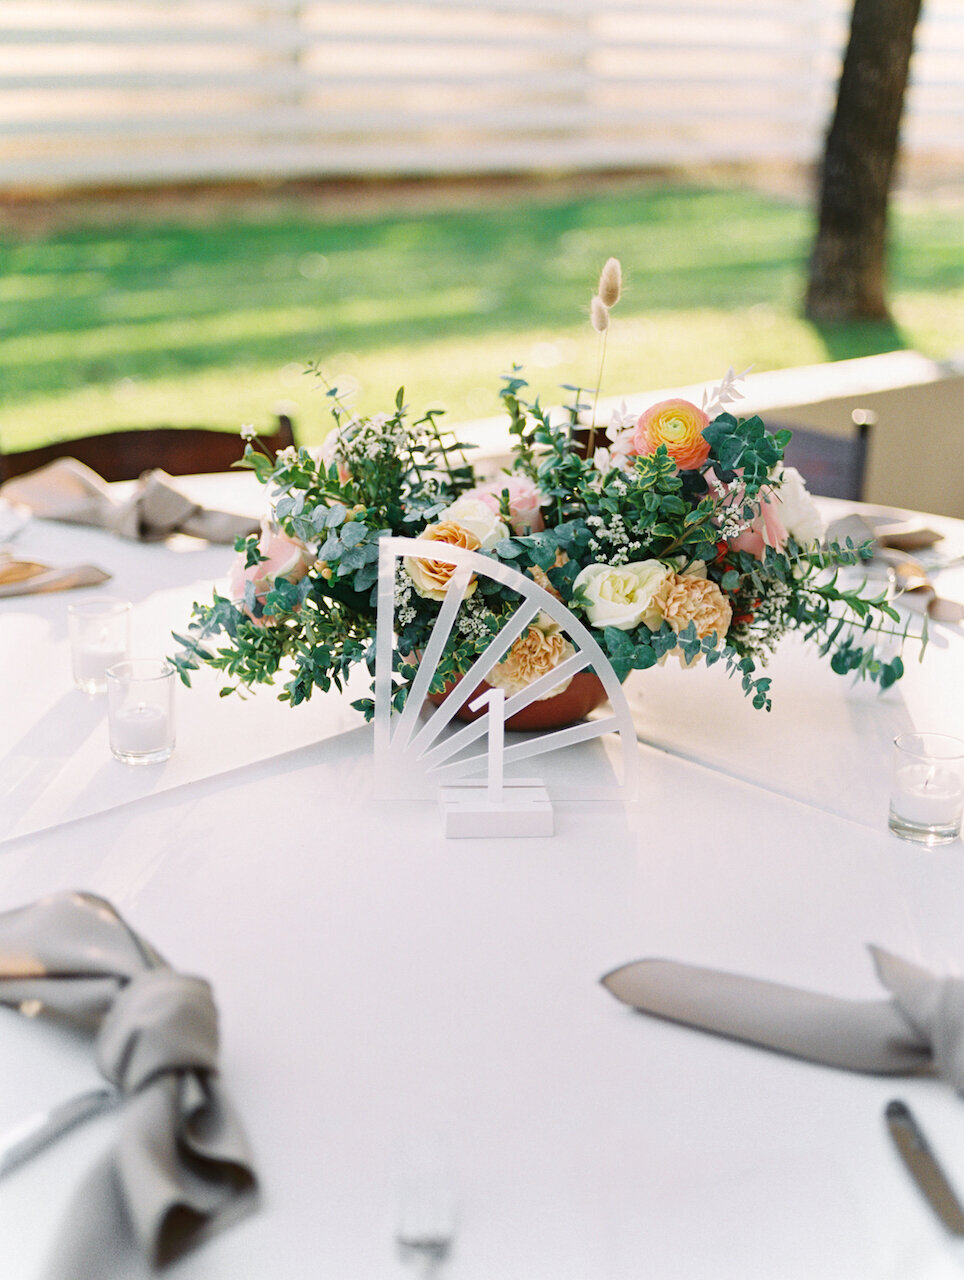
{"points": [[519, 807], [414, 759]]}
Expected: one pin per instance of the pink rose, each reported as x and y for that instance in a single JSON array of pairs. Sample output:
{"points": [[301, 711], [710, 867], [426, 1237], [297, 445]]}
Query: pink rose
{"points": [[525, 501], [286, 559], [766, 529]]}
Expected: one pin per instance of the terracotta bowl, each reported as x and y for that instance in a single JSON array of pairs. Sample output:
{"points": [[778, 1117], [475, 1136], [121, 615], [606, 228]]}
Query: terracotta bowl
{"points": [[585, 693]]}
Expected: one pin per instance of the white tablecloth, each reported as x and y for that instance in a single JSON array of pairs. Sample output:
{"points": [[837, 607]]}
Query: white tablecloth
{"points": [[379, 985]]}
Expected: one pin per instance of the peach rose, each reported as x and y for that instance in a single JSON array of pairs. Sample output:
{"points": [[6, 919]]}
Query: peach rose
{"points": [[432, 577], [698, 600], [678, 425], [525, 501], [540, 650], [285, 558]]}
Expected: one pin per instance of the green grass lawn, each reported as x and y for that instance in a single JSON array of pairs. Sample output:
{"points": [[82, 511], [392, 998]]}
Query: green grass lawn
{"points": [[156, 323]]}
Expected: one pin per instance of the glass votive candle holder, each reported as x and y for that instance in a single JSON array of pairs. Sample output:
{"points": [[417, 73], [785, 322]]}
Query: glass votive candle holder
{"points": [[100, 636], [927, 795], [140, 710]]}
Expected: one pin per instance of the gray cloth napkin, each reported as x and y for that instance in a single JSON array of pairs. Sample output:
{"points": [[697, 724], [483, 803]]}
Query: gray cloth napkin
{"points": [[67, 490], [180, 1169], [920, 1028], [883, 531]]}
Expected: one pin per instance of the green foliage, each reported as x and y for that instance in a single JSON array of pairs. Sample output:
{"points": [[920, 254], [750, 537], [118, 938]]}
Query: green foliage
{"points": [[744, 445]]}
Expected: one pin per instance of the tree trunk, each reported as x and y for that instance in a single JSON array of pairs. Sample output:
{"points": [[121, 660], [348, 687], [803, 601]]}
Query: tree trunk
{"points": [[847, 268]]}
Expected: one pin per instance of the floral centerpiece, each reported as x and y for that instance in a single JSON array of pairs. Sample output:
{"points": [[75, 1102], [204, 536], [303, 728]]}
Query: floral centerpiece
{"points": [[675, 533]]}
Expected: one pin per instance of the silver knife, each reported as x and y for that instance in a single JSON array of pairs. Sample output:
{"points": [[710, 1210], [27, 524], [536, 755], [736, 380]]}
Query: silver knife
{"points": [[32, 1135], [922, 1164]]}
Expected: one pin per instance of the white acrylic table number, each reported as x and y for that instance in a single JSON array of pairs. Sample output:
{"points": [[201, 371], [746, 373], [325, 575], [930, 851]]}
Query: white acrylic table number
{"points": [[520, 807], [494, 699], [416, 758]]}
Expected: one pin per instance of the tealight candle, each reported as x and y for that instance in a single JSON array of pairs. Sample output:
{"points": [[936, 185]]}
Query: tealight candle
{"points": [[99, 638], [140, 711], [927, 797]]}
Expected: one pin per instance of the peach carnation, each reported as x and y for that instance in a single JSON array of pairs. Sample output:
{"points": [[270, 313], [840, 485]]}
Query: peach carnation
{"points": [[540, 650], [678, 425], [432, 577], [698, 600], [541, 578]]}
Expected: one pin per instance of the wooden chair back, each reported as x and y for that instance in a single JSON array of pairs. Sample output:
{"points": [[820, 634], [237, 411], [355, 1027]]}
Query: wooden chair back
{"points": [[832, 466], [124, 455]]}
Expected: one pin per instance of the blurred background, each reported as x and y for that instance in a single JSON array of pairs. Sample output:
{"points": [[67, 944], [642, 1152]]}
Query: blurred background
{"points": [[198, 198]]}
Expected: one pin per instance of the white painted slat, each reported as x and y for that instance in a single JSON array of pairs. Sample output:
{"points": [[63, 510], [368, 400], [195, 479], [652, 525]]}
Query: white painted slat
{"points": [[294, 39], [498, 158], [296, 80], [288, 38], [531, 84], [515, 119]]}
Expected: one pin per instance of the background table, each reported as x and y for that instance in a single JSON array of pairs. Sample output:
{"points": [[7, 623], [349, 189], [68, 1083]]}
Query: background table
{"points": [[378, 984]]}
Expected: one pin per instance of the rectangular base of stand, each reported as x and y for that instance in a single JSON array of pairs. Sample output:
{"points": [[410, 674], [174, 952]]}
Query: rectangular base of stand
{"points": [[525, 810]]}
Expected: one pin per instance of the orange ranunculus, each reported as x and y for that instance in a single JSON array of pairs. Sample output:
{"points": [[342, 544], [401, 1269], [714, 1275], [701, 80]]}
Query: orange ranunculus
{"points": [[679, 426], [431, 577]]}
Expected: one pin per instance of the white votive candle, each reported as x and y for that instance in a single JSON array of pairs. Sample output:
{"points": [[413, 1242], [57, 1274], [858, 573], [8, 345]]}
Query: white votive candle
{"points": [[99, 638], [928, 795], [140, 729], [140, 710], [91, 660]]}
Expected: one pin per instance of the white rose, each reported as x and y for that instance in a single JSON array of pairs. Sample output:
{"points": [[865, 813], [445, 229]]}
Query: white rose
{"points": [[478, 519], [797, 510], [623, 596]]}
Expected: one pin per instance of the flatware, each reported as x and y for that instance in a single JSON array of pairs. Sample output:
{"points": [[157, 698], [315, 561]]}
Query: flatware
{"points": [[923, 1167], [425, 1226], [915, 589], [32, 1135]]}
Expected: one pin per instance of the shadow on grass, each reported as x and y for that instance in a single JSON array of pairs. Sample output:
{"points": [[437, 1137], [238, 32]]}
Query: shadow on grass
{"points": [[851, 341], [157, 299]]}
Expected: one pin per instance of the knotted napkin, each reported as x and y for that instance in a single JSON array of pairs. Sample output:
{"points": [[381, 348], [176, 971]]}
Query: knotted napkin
{"points": [[68, 490], [180, 1169], [920, 1028]]}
